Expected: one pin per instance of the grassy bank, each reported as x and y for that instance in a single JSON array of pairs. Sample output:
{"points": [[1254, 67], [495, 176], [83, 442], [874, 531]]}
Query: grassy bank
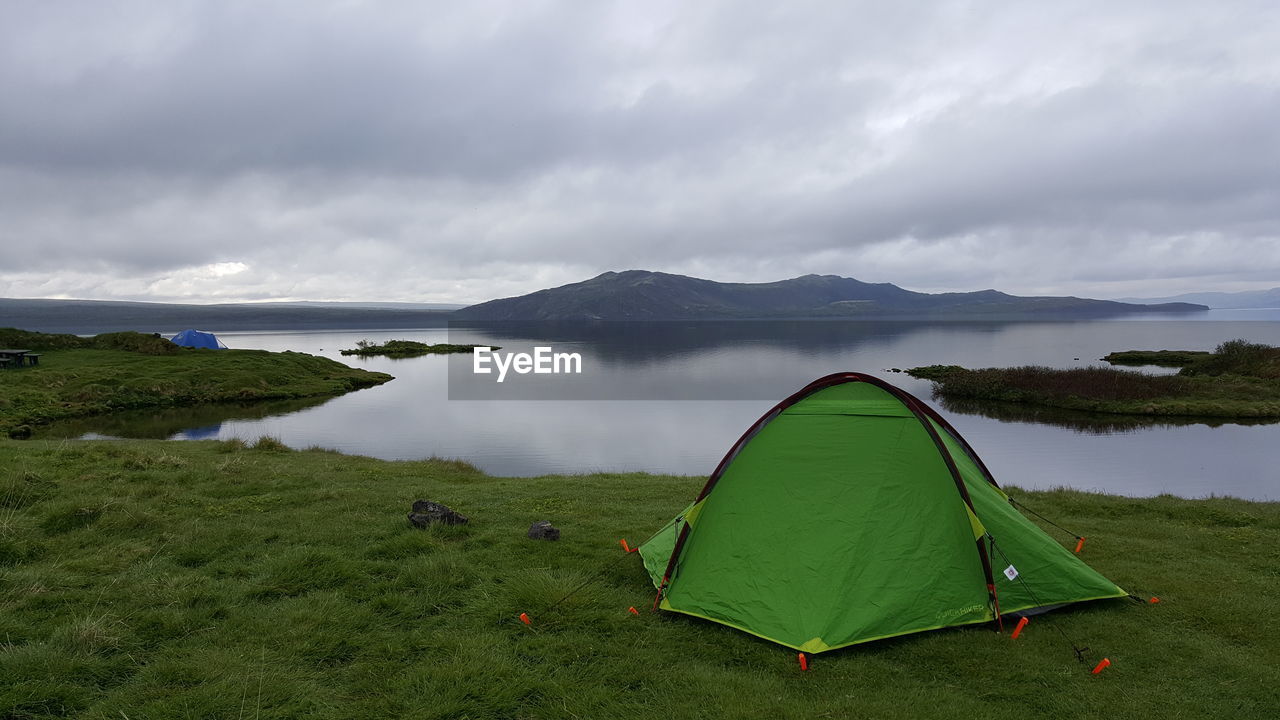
{"points": [[406, 349], [1237, 380], [144, 579], [1084, 420], [96, 378]]}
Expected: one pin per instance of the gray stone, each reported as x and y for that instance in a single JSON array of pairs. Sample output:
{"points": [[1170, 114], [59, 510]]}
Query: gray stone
{"points": [[426, 512], [543, 530]]}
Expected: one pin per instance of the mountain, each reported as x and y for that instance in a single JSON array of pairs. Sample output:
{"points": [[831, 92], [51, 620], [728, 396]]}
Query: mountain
{"points": [[645, 295], [95, 316], [360, 305], [1221, 300], [630, 295]]}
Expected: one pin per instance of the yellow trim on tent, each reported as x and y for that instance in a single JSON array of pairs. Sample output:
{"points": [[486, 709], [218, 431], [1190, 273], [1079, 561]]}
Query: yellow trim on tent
{"points": [[978, 530], [816, 645], [691, 515], [806, 647]]}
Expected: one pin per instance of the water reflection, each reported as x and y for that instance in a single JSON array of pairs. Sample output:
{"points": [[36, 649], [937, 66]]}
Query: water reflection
{"points": [[672, 398], [196, 422], [628, 344], [724, 360]]}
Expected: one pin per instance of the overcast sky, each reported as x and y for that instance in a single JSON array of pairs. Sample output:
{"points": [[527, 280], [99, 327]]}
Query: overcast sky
{"points": [[460, 151]]}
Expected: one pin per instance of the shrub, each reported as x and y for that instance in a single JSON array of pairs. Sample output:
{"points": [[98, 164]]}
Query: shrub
{"points": [[1239, 357], [15, 338], [134, 342], [267, 443]]}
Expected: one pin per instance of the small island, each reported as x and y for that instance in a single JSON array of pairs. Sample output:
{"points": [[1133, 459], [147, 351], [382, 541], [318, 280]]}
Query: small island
{"points": [[1160, 358], [82, 376], [407, 348], [1239, 379]]}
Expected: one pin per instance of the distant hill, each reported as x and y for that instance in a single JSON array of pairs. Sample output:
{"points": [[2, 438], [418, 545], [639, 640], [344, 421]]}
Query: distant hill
{"points": [[645, 295], [359, 305], [96, 316], [1221, 300], [630, 295]]}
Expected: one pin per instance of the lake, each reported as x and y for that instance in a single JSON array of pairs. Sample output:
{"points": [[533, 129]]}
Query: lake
{"points": [[672, 398]]}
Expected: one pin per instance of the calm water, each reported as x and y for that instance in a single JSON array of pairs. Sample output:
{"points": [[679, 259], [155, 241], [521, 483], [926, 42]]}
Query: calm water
{"points": [[672, 399]]}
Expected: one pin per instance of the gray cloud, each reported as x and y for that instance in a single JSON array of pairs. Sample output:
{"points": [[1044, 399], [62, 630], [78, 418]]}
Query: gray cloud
{"points": [[344, 150]]}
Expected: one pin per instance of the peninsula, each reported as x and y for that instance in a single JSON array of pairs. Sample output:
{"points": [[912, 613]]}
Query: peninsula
{"points": [[81, 376], [1238, 379]]}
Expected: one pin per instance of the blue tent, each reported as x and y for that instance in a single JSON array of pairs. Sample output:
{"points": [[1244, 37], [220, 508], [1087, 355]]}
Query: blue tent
{"points": [[197, 339], [208, 432]]}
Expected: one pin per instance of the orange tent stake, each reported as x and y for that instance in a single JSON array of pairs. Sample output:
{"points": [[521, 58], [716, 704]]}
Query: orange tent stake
{"points": [[633, 611], [1154, 600], [1018, 630], [524, 618], [1103, 665], [1079, 545], [804, 662], [627, 547]]}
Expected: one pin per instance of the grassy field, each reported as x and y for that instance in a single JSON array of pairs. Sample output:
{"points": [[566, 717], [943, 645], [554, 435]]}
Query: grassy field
{"points": [[137, 371], [144, 579], [1237, 380]]}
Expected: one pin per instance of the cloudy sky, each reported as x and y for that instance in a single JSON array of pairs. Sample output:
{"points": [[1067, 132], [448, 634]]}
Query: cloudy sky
{"points": [[456, 152]]}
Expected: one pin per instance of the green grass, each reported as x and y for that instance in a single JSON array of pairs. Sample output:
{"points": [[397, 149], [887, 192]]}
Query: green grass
{"points": [[406, 348], [1238, 380], [144, 579], [79, 382]]}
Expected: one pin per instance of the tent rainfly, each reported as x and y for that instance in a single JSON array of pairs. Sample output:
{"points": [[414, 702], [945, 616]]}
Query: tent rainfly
{"points": [[853, 512], [197, 339]]}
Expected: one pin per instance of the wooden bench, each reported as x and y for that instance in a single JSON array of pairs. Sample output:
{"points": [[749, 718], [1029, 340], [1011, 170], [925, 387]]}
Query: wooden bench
{"points": [[32, 358]]}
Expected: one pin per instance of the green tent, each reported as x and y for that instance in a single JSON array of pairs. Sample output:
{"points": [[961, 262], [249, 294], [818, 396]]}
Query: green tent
{"points": [[853, 512]]}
